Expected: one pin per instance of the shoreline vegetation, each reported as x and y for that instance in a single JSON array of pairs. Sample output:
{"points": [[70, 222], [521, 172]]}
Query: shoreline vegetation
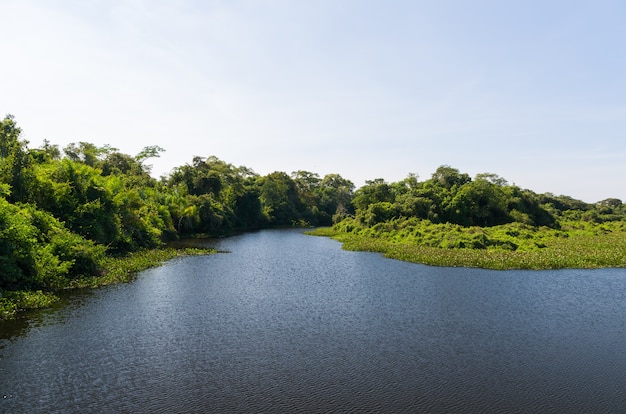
{"points": [[593, 246], [114, 270], [87, 215]]}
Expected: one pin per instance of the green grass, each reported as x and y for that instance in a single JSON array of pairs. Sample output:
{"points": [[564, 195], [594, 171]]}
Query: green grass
{"points": [[513, 246], [114, 270]]}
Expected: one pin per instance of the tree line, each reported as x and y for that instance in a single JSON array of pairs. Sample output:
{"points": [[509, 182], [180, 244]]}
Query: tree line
{"points": [[62, 211], [450, 196]]}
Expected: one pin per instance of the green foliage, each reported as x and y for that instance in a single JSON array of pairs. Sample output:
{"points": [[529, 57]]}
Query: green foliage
{"points": [[214, 197], [78, 195], [449, 177], [451, 197], [15, 161], [479, 203], [280, 199], [62, 218], [15, 301], [374, 191], [335, 195], [87, 153], [323, 200], [508, 246], [375, 213], [151, 151], [37, 251], [116, 269]]}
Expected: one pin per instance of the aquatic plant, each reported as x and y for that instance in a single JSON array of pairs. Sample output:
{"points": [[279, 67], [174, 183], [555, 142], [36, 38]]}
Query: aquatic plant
{"points": [[508, 246]]}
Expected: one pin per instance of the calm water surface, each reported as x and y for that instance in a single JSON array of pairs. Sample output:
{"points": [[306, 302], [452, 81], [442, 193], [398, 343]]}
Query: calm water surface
{"points": [[286, 322]]}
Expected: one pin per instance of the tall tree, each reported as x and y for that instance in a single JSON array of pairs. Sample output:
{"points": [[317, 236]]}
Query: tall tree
{"points": [[335, 200], [280, 199], [15, 160], [374, 191], [449, 177]]}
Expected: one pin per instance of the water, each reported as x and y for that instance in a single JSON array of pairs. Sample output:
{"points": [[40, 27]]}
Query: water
{"points": [[286, 322]]}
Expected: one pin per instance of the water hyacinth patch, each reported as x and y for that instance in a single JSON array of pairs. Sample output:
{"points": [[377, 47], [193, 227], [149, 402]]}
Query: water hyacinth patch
{"points": [[509, 246]]}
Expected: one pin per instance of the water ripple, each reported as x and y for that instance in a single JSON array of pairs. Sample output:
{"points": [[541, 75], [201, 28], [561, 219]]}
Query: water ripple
{"points": [[290, 323]]}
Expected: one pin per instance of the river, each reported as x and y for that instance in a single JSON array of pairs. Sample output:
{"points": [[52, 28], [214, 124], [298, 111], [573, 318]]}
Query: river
{"points": [[285, 322]]}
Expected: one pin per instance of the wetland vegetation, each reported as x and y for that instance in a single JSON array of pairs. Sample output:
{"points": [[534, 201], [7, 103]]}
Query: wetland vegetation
{"points": [[509, 246], [88, 215]]}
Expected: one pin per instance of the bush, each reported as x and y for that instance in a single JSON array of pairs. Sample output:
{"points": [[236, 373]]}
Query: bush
{"points": [[37, 251]]}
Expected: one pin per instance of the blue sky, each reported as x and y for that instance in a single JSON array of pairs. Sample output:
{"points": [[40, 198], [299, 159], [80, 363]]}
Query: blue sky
{"points": [[534, 91]]}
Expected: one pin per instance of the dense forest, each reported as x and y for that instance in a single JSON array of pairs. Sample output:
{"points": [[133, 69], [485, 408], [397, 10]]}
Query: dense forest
{"points": [[64, 211], [453, 220]]}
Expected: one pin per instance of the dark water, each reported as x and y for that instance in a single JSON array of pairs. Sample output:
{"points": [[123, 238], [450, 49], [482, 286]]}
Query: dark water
{"points": [[291, 323]]}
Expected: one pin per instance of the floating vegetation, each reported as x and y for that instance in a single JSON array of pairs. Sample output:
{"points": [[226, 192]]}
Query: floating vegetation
{"points": [[114, 270], [509, 246], [123, 268]]}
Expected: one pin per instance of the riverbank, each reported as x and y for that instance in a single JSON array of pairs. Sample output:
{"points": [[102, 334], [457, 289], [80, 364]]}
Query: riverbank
{"points": [[499, 247], [114, 270], [284, 312]]}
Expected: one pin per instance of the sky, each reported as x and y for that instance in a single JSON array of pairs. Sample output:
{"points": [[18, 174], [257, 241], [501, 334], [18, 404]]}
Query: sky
{"points": [[531, 90]]}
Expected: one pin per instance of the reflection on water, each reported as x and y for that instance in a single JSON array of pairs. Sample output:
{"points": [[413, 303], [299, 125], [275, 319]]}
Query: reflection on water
{"points": [[291, 323]]}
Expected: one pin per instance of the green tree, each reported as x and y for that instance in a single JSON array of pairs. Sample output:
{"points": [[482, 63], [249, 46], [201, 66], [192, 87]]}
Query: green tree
{"points": [[117, 163], [524, 207], [279, 198], [449, 177], [248, 208], [15, 160], [77, 194], [225, 197], [374, 191], [46, 153], [37, 251], [307, 184], [375, 213], [478, 203], [335, 198], [151, 151], [88, 153]]}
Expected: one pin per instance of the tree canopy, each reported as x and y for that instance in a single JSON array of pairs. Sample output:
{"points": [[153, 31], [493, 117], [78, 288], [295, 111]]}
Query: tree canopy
{"points": [[61, 212]]}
